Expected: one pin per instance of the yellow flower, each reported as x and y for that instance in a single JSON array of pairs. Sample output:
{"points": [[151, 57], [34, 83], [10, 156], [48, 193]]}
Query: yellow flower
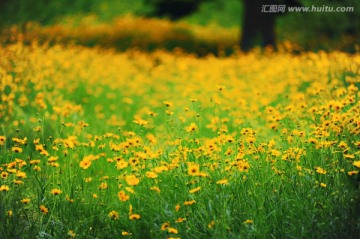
{"points": [[43, 209], [52, 159], [4, 188], [155, 188], [356, 164], [351, 173], [151, 175], [195, 190], [20, 174], [132, 180], [134, 216], [250, 139], [243, 165], [36, 168], [172, 230], [221, 87], [223, 181], [193, 170], [88, 180], [248, 222], [188, 203], [103, 186], [10, 213], [85, 164], [36, 141], [122, 196], [180, 219], [165, 226], [320, 170], [2, 140], [343, 145], [54, 164], [211, 224], [114, 215], [16, 149], [20, 141], [191, 128], [25, 200], [55, 191], [130, 190], [4, 175], [121, 164], [70, 200], [168, 103], [323, 185], [18, 182], [71, 233]]}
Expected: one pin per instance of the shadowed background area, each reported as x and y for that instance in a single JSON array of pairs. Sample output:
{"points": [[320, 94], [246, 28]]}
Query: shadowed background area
{"points": [[228, 25]]}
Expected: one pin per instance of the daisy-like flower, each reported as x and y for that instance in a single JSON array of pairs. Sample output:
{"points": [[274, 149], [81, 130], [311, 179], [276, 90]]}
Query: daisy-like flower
{"points": [[55, 191], [21, 174], [132, 180], [193, 170], [356, 164], [168, 103], [351, 173], [172, 230], [151, 174], [243, 165], [85, 164], [103, 186], [123, 196], [4, 188], [44, 209], [4, 175], [134, 216], [25, 200], [114, 215], [191, 128], [16, 149], [320, 170], [165, 226], [2, 140]]}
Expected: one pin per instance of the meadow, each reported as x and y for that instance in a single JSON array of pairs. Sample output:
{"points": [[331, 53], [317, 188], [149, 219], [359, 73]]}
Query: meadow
{"points": [[97, 143]]}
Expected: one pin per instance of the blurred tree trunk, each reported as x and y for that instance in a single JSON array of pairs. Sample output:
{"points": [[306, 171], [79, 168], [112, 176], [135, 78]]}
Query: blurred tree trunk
{"points": [[259, 22], [258, 27]]}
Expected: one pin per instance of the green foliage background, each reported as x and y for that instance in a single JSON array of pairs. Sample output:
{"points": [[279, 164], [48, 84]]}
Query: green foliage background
{"points": [[307, 29]]}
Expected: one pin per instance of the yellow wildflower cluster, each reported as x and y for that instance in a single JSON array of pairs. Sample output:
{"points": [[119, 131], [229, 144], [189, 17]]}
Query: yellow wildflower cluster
{"points": [[122, 130]]}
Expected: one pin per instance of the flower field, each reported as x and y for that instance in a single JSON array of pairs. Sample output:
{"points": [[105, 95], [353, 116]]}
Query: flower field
{"points": [[96, 143]]}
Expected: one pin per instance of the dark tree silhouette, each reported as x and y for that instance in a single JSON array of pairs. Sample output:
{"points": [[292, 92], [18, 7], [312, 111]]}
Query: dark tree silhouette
{"points": [[259, 23], [174, 9], [258, 27]]}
